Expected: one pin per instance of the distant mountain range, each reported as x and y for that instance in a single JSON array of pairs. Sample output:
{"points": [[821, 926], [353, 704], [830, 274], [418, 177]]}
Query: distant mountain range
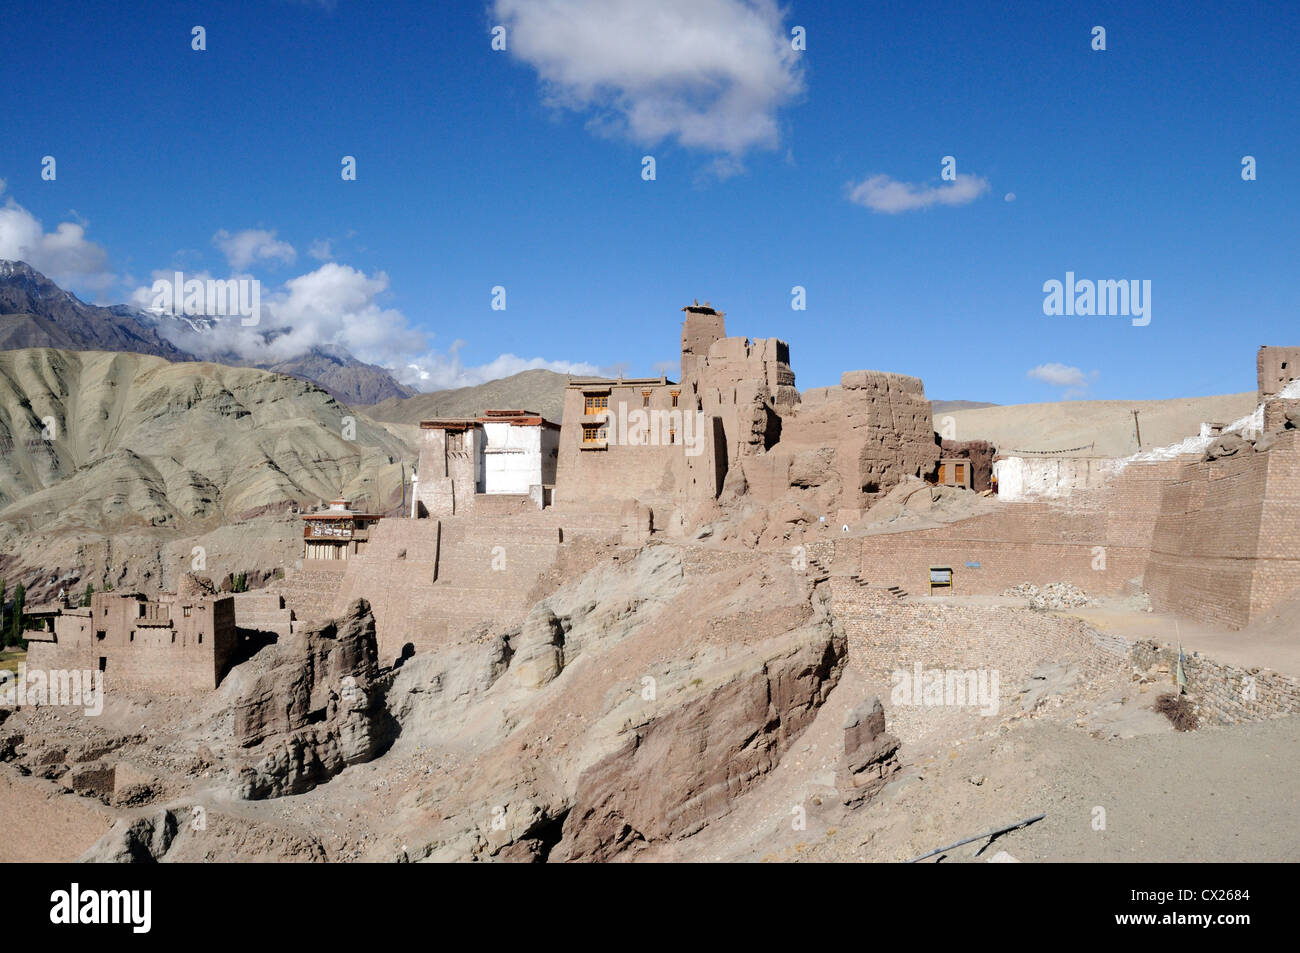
{"points": [[538, 390], [36, 312]]}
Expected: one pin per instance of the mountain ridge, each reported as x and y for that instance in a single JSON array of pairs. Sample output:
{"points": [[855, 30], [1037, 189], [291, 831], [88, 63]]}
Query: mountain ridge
{"points": [[36, 312]]}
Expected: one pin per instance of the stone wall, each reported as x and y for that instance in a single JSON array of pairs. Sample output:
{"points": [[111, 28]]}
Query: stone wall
{"points": [[1224, 694], [1098, 542]]}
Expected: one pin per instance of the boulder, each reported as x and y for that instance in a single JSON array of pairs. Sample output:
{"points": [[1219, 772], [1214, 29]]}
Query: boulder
{"points": [[1226, 445], [142, 840]]}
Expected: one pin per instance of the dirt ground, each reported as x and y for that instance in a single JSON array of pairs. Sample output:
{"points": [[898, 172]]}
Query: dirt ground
{"points": [[65, 823]]}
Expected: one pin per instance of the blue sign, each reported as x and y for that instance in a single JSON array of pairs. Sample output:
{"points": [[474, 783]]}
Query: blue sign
{"points": [[972, 565]]}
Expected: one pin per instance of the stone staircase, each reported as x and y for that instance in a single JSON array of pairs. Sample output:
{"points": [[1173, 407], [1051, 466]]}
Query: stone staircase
{"points": [[898, 592]]}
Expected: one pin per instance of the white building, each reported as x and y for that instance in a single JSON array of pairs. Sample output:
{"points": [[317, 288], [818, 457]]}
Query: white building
{"points": [[518, 451], [502, 453]]}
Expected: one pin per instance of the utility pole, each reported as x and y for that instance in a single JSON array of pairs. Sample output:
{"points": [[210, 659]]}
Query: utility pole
{"points": [[1138, 428]]}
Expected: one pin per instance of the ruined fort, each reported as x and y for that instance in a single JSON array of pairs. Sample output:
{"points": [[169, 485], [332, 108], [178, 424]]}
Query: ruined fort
{"points": [[507, 502], [600, 638]]}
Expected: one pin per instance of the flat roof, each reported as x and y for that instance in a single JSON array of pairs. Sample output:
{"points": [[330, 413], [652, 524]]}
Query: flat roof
{"points": [[619, 382]]}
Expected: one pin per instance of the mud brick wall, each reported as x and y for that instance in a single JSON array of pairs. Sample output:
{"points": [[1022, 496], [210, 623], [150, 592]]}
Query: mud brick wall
{"points": [[432, 582], [1276, 409], [1188, 530], [1224, 694], [1226, 548], [1275, 367], [1022, 542]]}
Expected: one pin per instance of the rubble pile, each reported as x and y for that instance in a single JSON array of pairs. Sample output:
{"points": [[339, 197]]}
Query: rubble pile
{"points": [[1054, 595]]}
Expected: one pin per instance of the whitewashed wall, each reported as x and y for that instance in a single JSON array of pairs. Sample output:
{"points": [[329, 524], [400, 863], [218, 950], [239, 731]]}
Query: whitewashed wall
{"points": [[1034, 478], [512, 458]]}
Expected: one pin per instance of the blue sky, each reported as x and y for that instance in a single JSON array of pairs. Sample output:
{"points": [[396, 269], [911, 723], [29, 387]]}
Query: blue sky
{"points": [[478, 168]]}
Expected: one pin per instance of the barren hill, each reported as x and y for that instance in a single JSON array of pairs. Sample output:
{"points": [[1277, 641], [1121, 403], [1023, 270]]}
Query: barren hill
{"points": [[108, 459], [1103, 427], [94, 439], [538, 390]]}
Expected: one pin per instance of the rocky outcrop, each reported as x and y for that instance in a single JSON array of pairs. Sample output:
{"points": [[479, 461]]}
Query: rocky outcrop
{"points": [[309, 706], [870, 753], [540, 655], [685, 766]]}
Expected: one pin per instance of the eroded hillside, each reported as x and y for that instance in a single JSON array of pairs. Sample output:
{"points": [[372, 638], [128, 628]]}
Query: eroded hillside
{"points": [[103, 449]]}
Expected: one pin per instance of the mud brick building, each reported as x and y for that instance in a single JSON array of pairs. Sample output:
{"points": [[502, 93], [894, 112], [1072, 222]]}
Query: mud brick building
{"points": [[174, 644]]}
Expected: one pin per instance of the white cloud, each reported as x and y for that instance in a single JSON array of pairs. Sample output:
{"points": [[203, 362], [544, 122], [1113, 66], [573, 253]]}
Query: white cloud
{"points": [[253, 245], [320, 250], [441, 371], [709, 74], [880, 193], [63, 255], [337, 308], [1072, 379]]}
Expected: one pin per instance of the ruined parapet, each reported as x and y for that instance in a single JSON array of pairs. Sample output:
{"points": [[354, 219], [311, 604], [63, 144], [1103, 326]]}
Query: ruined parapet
{"points": [[880, 425], [1275, 367], [745, 385], [700, 329]]}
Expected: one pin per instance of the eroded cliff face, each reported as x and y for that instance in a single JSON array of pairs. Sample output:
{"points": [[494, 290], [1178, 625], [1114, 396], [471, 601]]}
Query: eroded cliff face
{"points": [[686, 766], [305, 709]]}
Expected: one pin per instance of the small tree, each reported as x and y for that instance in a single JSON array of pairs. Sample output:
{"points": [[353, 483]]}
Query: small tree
{"points": [[85, 597], [16, 622]]}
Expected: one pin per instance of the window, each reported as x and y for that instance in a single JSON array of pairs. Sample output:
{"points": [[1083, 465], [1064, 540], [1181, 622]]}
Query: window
{"points": [[455, 441], [594, 433], [645, 397], [99, 635], [672, 435], [186, 612], [132, 639], [675, 393], [595, 403]]}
